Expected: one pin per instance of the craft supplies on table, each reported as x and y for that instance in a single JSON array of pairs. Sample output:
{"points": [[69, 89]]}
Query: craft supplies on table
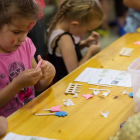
{"points": [[87, 96], [73, 88], [126, 51], [105, 114], [54, 108], [62, 113], [97, 91]]}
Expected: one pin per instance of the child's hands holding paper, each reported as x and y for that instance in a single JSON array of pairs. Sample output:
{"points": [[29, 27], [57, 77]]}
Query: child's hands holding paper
{"points": [[28, 78], [47, 68]]}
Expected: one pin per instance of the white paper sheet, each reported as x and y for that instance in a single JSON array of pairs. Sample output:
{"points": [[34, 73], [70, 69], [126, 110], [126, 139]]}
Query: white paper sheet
{"points": [[105, 76], [13, 136]]}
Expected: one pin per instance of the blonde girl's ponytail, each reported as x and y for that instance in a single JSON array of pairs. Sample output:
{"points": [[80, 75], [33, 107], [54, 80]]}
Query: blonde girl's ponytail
{"points": [[56, 18]]}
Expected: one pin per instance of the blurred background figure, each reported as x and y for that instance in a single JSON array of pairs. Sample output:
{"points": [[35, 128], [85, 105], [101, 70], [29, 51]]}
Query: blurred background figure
{"points": [[133, 18], [103, 30], [121, 13], [49, 11], [38, 35], [117, 8], [113, 25]]}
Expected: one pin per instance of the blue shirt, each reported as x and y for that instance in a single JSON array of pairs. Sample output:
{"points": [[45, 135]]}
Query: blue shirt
{"points": [[132, 21]]}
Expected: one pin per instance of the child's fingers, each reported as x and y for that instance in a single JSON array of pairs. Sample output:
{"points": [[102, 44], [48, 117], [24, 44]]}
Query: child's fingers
{"points": [[35, 73], [39, 57], [91, 40], [45, 64], [46, 72], [96, 42], [95, 34]]}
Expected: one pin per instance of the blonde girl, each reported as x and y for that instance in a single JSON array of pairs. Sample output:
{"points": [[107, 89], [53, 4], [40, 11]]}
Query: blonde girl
{"points": [[74, 18]]}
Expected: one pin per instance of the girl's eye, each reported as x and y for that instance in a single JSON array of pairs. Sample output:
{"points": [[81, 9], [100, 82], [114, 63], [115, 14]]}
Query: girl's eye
{"points": [[16, 32]]}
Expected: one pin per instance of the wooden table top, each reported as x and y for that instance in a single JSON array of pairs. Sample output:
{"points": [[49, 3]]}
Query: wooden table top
{"points": [[84, 120]]}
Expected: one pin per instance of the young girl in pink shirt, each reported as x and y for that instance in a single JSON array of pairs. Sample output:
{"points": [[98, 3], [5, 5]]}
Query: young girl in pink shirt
{"points": [[19, 77]]}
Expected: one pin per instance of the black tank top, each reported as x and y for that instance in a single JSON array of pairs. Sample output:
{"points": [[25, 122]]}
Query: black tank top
{"points": [[61, 70]]}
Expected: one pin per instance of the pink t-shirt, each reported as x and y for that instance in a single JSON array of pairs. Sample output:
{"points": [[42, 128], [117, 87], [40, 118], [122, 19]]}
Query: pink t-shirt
{"points": [[11, 64]]}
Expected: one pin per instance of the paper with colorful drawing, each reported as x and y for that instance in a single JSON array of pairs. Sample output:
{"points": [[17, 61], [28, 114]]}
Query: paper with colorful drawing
{"points": [[105, 77]]}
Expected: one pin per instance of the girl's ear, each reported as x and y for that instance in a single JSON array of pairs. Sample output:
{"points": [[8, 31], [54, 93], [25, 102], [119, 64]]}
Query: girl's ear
{"points": [[74, 23]]}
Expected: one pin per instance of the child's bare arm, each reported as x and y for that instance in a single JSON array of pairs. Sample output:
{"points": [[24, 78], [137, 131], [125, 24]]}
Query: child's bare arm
{"points": [[24, 79], [92, 50], [135, 4], [48, 73], [67, 49], [3, 125], [69, 54]]}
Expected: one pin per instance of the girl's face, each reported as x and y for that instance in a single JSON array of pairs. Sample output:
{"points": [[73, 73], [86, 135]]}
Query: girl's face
{"points": [[13, 35], [79, 30]]}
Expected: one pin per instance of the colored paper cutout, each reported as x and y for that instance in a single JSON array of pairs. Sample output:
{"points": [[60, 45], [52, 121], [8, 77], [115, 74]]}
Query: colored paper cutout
{"points": [[75, 95], [87, 96], [105, 93], [131, 94], [56, 108], [137, 43], [62, 113]]}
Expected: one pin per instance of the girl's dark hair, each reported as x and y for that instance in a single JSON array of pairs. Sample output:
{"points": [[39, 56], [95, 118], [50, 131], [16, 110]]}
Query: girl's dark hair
{"points": [[83, 11], [10, 9]]}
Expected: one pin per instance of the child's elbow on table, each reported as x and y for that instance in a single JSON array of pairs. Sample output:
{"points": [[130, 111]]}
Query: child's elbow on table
{"points": [[3, 125]]}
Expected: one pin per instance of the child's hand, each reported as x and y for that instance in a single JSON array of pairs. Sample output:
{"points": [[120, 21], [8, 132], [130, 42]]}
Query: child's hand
{"points": [[47, 69], [28, 77], [93, 37], [93, 49]]}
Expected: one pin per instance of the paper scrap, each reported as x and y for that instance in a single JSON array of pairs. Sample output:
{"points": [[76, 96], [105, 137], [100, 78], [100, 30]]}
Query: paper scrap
{"points": [[105, 114], [125, 92], [69, 103], [75, 95], [105, 93], [96, 92]]}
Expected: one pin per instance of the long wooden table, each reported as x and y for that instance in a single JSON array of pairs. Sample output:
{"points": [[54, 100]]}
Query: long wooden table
{"points": [[84, 120]]}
